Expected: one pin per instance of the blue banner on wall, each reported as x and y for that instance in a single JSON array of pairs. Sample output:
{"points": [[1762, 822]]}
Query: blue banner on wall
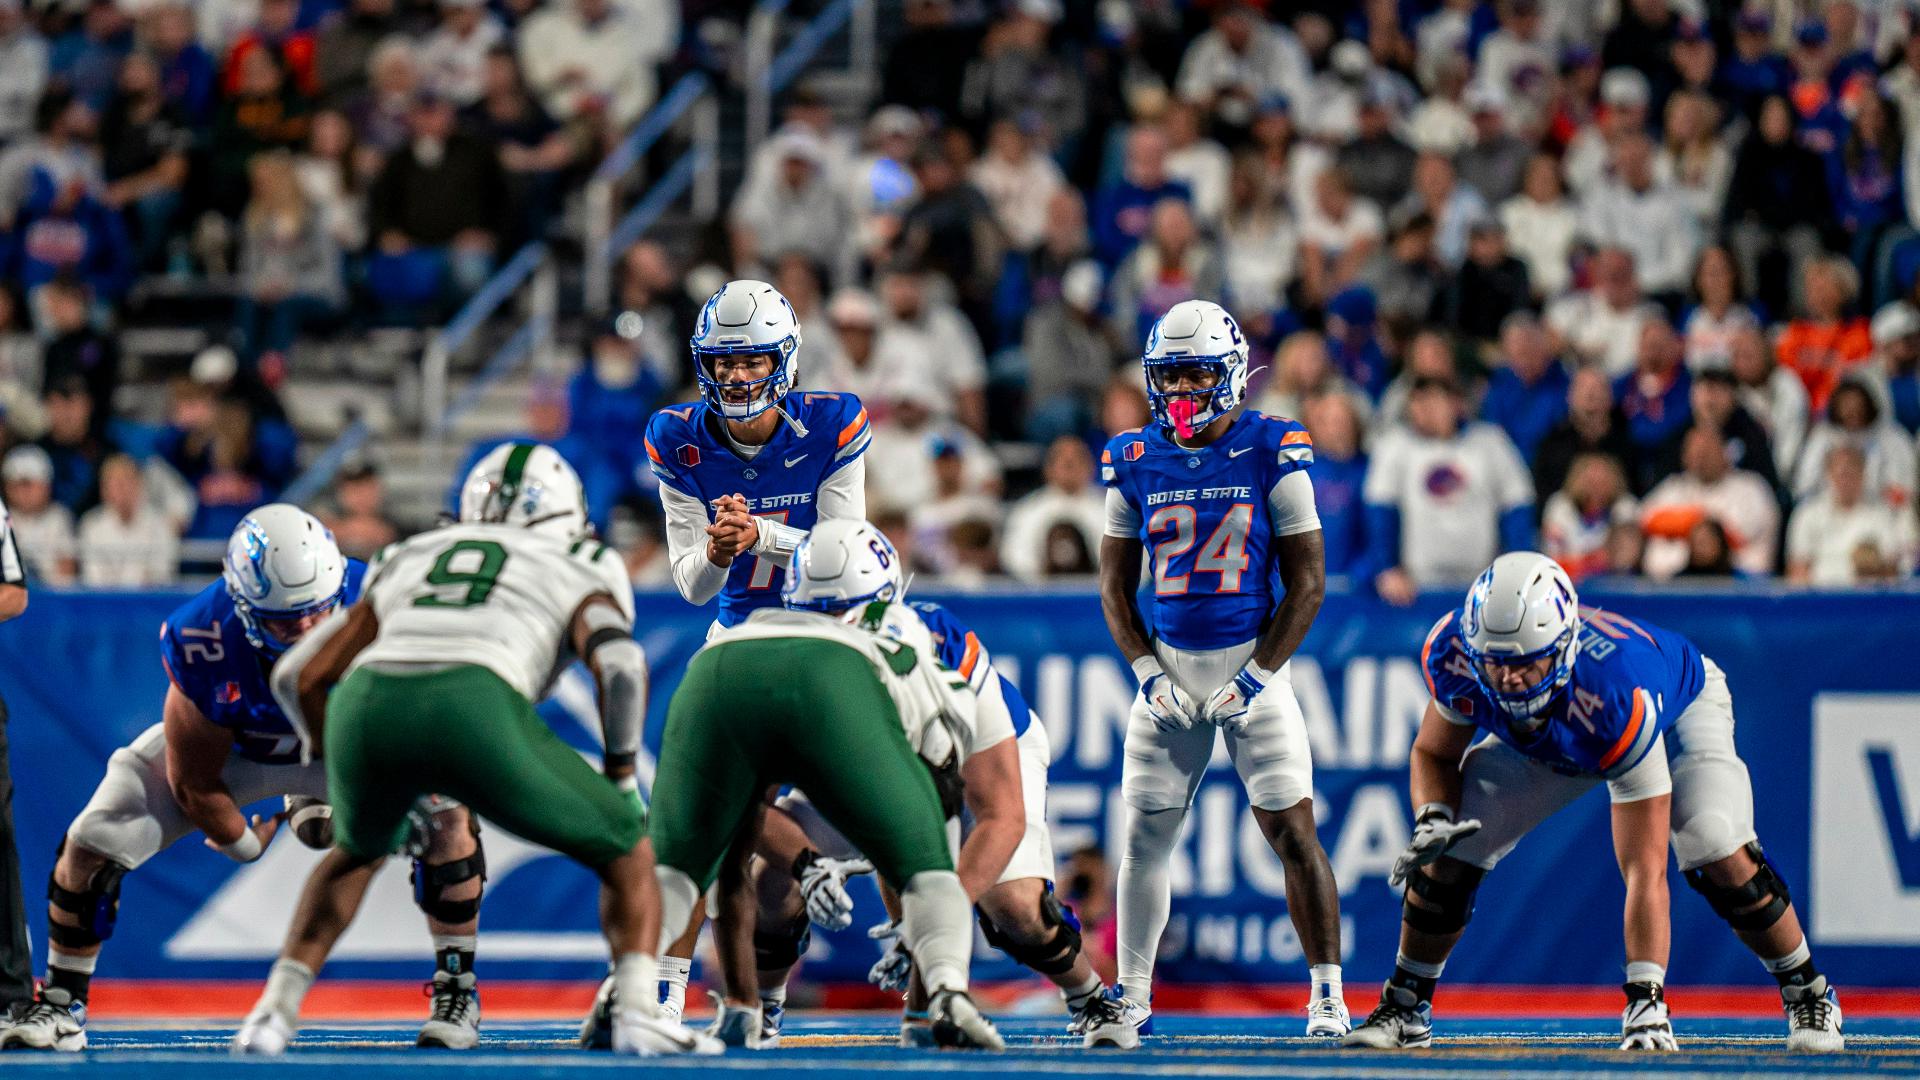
{"points": [[1826, 690]]}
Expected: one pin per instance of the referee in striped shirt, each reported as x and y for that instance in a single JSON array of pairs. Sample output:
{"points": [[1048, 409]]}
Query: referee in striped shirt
{"points": [[16, 954]]}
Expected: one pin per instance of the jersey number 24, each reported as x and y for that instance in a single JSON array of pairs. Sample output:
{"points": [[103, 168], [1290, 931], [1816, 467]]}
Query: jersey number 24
{"points": [[1224, 553]]}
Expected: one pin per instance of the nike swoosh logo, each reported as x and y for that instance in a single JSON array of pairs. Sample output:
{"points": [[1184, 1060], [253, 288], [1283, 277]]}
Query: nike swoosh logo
{"points": [[792, 461], [1237, 453]]}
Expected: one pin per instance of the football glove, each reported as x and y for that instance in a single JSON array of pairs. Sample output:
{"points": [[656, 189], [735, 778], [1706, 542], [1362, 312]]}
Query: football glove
{"points": [[1170, 708], [823, 885], [1433, 833], [1228, 706], [895, 967]]}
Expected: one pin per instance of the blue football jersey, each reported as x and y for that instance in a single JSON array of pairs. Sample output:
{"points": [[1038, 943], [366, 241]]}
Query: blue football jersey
{"points": [[960, 649], [690, 453], [1206, 526], [1630, 680], [204, 648]]}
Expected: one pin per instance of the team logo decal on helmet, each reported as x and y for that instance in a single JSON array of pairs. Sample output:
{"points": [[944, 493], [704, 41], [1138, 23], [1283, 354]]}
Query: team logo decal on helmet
{"points": [[282, 567]]}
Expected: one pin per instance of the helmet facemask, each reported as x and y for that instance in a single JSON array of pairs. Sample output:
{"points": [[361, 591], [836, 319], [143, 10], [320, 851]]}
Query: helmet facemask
{"points": [[1185, 412]]}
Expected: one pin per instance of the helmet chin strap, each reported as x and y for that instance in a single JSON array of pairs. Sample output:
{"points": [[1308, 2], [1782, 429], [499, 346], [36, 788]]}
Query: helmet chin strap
{"points": [[799, 428]]}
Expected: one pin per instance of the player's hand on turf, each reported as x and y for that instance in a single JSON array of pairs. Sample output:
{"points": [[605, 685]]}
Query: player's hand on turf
{"points": [[1170, 708], [823, 885], [1229, 705], [895, 967], [1433, 834]]}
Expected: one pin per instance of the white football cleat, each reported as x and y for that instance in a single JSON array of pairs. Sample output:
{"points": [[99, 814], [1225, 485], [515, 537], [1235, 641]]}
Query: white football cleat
{"points": [[1103, 1022], [734, 1025], [52, 1021], [643, 1035], [455, 1021], [1813, 1017], [958, 1023], [264, 1034], [1644, 1023], [1327, 1018], [1400, 1021]]}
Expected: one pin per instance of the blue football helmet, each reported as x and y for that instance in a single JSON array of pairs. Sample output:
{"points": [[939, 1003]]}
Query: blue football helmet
{"points": [[282, 566], [746, 317], [1195, 333], [1521, 609]]}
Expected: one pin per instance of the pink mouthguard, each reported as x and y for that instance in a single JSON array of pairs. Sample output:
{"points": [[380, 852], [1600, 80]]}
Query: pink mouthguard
{"points": [[1181, 411]]}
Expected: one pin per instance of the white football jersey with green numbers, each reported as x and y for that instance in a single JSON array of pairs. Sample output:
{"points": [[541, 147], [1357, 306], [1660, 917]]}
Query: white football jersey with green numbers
{"points": [[494, 595]]}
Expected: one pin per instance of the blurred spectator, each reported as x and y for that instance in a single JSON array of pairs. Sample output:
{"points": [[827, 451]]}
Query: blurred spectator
{"points": [[1441, 122], [1709, 552], [1828, 339], [1428, 356], [187, 77], [454, 55], [1175, 263], [1070, 354], [1338, 234], [1624, 100], [1527, 393], [1258, 239], [937, 522], [74, 441], [52, 202], [851, 365], [1772, 395], [23, 71], [1720, 311], [1353, 339], [1709, 488], [214, 444], [1692, 160], [1776, 204], [879, 182], [1339, 476], [358, 517], [1648, 219], [1240, 62], [86, 58], [1848, 533], [1896, 363], [1123, 407], [1406, 276], [1540, 225], [640, 536], [344, 45], [1854, 418], [1018, 180], [608, 402], [1377, 162], [333, 176], [1453, 206], [1602, 324], [290, 265], [649, 285], [426, 241], [20, 374], [1451, 32], [1496, 163], [1070, 498], [1866, 182], [1302, 370], [805, 111], [125, 542], [909, 437], [1754, 70], [75, 349], [144, 145], [1443, 498], [275, 31], [1518, 57], [1487, 288], [1582, 524], [1657, 399], [1015, 72], [382, 114], [535, 152], [927, 64], [1593, 425], [42, 527], [1716, 404], [263, 113], [800, 211], [949, 229], [926, 341], [1122, 211], [593, 60]]}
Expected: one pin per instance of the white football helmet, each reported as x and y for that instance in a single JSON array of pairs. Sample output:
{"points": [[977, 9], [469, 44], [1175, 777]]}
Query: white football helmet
{"points": [[529, 485], [1195, 333], [750, 317], [1522, 608], [842, 564], [282, 566]]}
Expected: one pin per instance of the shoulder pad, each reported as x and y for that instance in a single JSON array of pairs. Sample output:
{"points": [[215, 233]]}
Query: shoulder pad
{"points": [[673, 441], [1128, 446], [839, 419], [1287, 438], [897, 621]]}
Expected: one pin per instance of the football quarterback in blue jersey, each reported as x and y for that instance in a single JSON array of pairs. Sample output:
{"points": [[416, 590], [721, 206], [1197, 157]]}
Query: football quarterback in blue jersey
{"points": [[1568, 698], [1220, 503], [222, 744]]}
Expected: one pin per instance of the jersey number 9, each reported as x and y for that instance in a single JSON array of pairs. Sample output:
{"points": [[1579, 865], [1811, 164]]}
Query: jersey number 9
{"points": [[473, 565]]}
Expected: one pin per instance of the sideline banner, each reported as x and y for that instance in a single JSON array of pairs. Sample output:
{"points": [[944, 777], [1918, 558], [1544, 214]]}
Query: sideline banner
{"points": [[1826, 690]]}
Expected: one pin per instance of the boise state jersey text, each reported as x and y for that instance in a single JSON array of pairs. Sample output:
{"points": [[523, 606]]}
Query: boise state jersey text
{"points": [[960, 649], [690, 453], [1630, 680], [204, 648], [1206, 524]]}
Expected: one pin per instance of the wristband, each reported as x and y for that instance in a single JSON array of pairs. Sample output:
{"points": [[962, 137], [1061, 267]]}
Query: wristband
{"points": [[1254, 669], [244, 850], [1433, 810], [1146, 667]]}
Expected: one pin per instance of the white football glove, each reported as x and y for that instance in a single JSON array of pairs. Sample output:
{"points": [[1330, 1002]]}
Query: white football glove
{"points": [[1433, 833], [823, 885], [1228, 706], [1171, 708], [895, 967]]}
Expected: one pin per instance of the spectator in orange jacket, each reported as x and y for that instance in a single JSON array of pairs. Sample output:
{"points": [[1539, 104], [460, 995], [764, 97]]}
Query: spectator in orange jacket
{"points": [[1822, 344]]}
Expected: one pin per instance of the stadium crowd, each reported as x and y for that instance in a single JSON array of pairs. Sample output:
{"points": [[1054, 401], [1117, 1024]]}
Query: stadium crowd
{"points": [[1633, 282]]}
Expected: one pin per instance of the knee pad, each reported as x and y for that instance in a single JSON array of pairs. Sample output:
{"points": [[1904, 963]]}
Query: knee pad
{"points": [[778, 950], [948, 785], [431, 882], [1736, 903], [97, 906], [1451, 903], [1053, 955]]}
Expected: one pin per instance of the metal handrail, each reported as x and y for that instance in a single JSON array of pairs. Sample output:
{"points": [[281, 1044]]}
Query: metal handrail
{"points": [[324, 468], [692, 98], [768, 74], [480, 307], [671, 185]]}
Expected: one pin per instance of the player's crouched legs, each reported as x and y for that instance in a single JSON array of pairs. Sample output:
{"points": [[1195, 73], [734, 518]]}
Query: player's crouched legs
{"points": [[1024, 919], [449, 877], [1438, 903]]}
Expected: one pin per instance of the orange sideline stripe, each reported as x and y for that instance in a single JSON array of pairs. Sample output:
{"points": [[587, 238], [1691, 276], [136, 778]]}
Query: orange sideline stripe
{"points": [[847, 433], [1426, 671], [1633, 731]]}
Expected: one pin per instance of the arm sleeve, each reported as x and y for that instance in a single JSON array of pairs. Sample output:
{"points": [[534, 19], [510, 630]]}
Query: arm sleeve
{"points": [[697, 579], [1290, 502], [12, 570], [1123, 521]]}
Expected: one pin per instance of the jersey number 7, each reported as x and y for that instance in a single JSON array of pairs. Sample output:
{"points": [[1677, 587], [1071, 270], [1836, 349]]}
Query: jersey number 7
{"points": [[762, 568], [1224, 553]]}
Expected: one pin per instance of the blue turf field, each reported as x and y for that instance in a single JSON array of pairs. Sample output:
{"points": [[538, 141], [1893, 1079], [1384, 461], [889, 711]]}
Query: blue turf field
{"points": [[855, 1046]]}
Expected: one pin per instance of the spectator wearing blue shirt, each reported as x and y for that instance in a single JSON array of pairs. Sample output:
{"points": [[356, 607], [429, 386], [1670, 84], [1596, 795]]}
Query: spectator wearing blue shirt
{"points": [[1527, 394], [1656, 398], [608, 402], [186, 68], [1123, 212], [1896, 348], [87, 58], [1353, 339], [1754, 70], [1339, 476]]}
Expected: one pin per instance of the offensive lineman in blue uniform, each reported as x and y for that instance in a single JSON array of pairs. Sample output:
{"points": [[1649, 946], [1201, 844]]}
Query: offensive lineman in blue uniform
{"points": [[1570, 697], [1221, 504], [222, 744]]}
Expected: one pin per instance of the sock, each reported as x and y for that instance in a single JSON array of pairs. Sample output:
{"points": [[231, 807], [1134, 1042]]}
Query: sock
{"points": [[936, 925], [674, 972], [287, 986], [1144, 894], [772, 997], [71, 973], [636, 981], [1646, 971], [1326, 980], [678, 894], [1416, 975], [453, 953], [1794, 969], [1078, 996]]}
